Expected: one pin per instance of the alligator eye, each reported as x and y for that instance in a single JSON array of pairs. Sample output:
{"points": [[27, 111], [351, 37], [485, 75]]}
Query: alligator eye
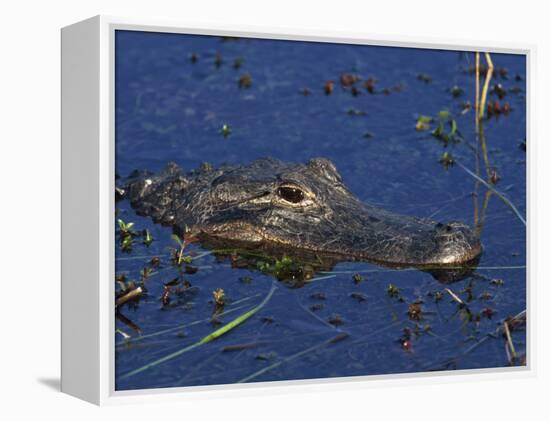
{"points": [[291, 194]]}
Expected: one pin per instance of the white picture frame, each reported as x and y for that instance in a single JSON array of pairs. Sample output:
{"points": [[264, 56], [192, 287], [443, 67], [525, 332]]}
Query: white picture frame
{"points": [[88, 210]]}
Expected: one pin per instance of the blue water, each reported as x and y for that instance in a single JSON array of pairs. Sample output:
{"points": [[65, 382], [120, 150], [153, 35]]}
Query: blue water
{"points": [[169, 108]]}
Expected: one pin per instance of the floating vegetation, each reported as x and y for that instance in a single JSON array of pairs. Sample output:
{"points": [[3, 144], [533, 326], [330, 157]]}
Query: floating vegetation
{"points": [[494, 178], [126, 235], [423, 122], [348, 79], [483, 69], [497, 282], [177, 255], [415, 311], [487, 312], [445, 122], [336, 320], [446, 160], [209, 338], [356, 113], [499, 90], [465, 106], [485, 296], [219, 297], [238, 62], [393, 291], [423, 77], [359, 296], [328, 87], [368, 135], [145, 273], [165, 297], [126, 229], [246, 279], [225, 131], [190, 270], [147, 238], [287, 269], [127, 243], [406, 339], [370, 85], [245, 81], [357, 278], [437, 296], [456, 91], [494, 108]]}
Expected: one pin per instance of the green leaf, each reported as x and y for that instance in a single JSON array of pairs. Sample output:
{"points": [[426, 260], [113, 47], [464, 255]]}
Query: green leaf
{"points": [[209, 338], [147, 238], [176, 239], [443, 115]]}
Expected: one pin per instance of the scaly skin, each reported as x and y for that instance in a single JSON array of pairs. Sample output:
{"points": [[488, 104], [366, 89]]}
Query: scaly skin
{"points": [[320, 215]]}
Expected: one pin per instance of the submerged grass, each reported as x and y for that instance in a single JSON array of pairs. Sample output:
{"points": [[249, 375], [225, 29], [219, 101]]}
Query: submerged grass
{"points": [[309, 350], [130, 341], [496, 192], [209, 338]]}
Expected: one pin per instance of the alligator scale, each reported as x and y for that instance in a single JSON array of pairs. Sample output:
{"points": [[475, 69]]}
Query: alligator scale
{"points": [[271, 204]]}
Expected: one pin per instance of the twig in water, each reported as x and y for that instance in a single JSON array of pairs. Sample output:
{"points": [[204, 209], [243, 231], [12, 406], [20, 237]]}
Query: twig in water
{"points": [[128, 296], [455, 297], [241, 347]]}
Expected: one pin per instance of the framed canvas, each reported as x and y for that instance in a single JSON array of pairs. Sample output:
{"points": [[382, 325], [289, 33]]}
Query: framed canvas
{"points": [[243, 209]]}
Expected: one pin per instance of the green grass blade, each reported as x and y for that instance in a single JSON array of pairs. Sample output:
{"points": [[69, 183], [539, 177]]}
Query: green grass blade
{"points": [[236, 322], [209, 338]]}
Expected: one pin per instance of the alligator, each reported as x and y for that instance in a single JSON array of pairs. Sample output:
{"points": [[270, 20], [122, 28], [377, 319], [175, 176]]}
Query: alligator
{"points": [[270, 204]]}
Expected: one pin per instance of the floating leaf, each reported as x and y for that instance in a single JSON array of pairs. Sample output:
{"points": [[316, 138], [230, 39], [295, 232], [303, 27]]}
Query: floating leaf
{"points": [[423, 122]]}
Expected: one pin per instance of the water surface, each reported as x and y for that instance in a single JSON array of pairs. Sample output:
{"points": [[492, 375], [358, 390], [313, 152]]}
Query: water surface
{"points": [[170, 107]]}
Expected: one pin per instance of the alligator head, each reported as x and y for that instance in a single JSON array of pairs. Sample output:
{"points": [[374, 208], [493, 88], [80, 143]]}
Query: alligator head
{"points": [[270, 203]]}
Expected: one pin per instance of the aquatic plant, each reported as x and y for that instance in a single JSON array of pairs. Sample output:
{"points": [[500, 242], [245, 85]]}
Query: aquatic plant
{"points": [[225, 130], [245, 81], [147, 238], [423, 122], [209, 338]]}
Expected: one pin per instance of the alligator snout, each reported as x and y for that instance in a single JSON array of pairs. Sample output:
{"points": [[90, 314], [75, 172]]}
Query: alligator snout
{"points": [[393, 239], [456, 242], [270, 203]]}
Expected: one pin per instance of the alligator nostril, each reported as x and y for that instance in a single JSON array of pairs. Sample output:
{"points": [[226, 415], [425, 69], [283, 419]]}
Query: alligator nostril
{"points": [[444, 228]]}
